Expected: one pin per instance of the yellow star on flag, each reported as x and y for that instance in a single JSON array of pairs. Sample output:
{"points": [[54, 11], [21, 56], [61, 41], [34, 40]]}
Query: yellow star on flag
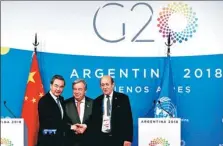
{"points": [[26, 98], [31, 75], [33, 100], [40, 94]]}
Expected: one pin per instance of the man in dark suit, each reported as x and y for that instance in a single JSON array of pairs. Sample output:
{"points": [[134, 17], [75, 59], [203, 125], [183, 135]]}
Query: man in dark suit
{"points": [[112, 122], [52, 119], [78, 108]]}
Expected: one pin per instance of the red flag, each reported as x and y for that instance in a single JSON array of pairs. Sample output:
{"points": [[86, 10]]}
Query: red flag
{"points": [[34, 91]]}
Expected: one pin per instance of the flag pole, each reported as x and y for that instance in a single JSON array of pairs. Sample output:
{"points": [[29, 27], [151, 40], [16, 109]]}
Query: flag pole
{"points": [[34, 91], [168, 44], [35, 44]]}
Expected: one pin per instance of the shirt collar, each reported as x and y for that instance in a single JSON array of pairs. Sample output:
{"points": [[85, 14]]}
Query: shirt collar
{"points": [[110, 95], [82, 101], [54, 97]]}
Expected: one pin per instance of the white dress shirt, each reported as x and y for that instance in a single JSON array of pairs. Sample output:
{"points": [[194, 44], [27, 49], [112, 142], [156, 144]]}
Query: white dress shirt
{"points": [[55, 98], [82, 108], [106, 121]]}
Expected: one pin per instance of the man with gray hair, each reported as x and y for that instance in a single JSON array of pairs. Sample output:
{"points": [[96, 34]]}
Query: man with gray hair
{"points": [[78, 108]]}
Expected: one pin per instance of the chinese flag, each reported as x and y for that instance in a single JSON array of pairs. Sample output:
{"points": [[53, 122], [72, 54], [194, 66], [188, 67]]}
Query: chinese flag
{"points": [[34, 91]]}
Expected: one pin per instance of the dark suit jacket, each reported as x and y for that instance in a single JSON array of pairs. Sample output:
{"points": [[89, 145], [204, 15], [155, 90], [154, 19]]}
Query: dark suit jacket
{"points": [[50, 118], [71, 111], [121, 119]]}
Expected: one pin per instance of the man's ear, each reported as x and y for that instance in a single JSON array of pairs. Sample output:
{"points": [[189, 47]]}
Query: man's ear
{"points": [[113, 85]]}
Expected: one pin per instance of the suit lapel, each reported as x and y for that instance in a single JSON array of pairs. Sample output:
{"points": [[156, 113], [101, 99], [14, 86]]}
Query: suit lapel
{"points": [[54, 104], [114, 101], [99, 105], [86, 109]]}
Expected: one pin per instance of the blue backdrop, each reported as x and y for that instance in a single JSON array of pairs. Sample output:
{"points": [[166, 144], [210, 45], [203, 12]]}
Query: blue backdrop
{"points": [[198, 83]]}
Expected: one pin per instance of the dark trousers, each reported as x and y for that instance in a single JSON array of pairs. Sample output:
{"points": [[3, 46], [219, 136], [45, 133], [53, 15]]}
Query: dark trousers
{"points": [[48, 140], [109, 140]]}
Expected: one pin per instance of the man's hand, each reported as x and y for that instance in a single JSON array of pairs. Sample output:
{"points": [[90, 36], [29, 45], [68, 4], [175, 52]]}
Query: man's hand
{"points": [[80, 128], [73, 127], [127, 143]]}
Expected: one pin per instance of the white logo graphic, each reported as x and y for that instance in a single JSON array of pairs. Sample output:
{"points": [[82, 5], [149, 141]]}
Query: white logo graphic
{"points": [[165, 108]]}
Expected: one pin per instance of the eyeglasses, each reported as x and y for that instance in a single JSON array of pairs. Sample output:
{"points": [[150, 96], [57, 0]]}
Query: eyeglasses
{"points": [[57, 86]]}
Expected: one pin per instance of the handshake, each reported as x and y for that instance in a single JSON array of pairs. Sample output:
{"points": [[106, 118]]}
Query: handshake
{"points": [[79, 128]]}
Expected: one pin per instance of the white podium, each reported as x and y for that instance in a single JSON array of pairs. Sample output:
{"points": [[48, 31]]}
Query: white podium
{"points": [[159, 132], [12, 132]]}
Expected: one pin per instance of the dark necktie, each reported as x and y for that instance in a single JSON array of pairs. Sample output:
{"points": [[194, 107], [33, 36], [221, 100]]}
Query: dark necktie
{"points": [[58, 103], [108, 106]]}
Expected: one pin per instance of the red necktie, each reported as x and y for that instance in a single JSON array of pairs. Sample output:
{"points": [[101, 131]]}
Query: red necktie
{"points": [[79, 108]]}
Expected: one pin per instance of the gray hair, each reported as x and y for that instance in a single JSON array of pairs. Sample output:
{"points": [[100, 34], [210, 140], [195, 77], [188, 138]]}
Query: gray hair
{"points": [[79, 81]]}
